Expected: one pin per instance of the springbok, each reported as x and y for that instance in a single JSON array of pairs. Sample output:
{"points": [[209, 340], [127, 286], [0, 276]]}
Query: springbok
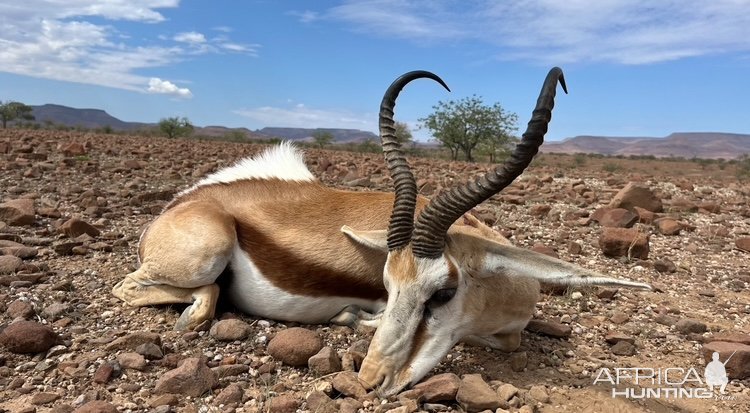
{"points": [[299, 251]]}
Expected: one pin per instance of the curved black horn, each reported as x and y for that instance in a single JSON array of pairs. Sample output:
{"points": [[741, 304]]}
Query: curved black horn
{"points": [[401, 225], [433, 223]]}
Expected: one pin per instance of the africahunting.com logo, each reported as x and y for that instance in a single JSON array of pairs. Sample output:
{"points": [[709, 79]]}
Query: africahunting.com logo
{"points": [[668, 383]]}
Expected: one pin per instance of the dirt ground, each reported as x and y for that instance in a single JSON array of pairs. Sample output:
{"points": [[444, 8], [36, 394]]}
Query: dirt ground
{"points": [[121, 183]]}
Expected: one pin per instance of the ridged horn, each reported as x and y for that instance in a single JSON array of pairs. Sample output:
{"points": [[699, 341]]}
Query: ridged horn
{"points": [[401, 225], [432, 224]]}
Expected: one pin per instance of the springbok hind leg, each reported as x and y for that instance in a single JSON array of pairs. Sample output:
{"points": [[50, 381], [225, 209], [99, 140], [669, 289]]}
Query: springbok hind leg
{"points": [[202, 299], [183, 252]]}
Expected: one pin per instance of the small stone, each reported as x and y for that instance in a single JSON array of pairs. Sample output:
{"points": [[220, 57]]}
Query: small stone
{"points": [[743, 244], [347, 384], [231, 394], [623, 348], [689, 325], [20, 309], [634, 195], [607, 293], [192, 378], [519, 361], [165, 400], [283, 403], [543, 249], [150, 351], [133, 361], [55, 311], [618, 218], [44, 398], [75, 227], [294, 346], [326, 361], [9, 264], [230, 330], [614, 337], [17, 212], [28, 337], [668, 226], [549, 328], [73, 149], [104, 373], [624, 242], [665, 265], [96, 406], [506, 391], [619, 317], [730, 337], [441, 387], [475, 395], [539, 394], [575, 248], [319, 402]]}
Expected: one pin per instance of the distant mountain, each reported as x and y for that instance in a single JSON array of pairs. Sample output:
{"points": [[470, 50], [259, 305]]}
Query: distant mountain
{"points": [[86, 118], [685, 144], [303, 134]]}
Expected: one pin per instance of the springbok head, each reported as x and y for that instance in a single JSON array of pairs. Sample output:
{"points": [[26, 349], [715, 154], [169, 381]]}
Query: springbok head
{"points": [[436, 276]]}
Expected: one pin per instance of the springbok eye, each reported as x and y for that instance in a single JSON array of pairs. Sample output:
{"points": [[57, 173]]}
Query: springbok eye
{"points": [[441, 297]]}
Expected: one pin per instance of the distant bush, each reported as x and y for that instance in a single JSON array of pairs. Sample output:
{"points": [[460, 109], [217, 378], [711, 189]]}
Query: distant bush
{"points": [[611, 167]]}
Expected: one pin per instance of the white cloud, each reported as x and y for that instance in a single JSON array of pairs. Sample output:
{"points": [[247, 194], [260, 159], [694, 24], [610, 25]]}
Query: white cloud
{"points": [[620, 31], [301, 116], [307, 16], [165, 87], [190, 37], [53, 39]]}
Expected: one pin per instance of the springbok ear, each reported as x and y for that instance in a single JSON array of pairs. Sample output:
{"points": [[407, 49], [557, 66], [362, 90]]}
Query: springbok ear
{"points": [[377, 239], [518, 262]]}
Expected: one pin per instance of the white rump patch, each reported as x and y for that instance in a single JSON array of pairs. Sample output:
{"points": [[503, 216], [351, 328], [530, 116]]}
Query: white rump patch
{"points": [[284, 162]]}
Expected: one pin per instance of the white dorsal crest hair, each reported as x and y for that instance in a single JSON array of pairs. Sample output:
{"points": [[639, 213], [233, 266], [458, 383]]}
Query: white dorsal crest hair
{"points": [[297, 250]]}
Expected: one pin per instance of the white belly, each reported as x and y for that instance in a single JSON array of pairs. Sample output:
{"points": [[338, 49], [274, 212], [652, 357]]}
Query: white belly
{"points": [[254, 294]]}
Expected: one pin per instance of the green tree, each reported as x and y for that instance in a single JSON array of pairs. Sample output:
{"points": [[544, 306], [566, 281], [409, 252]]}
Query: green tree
{"points": [[461, 126], [322, 138], [14, 110], [403, 133], [175, 127]]}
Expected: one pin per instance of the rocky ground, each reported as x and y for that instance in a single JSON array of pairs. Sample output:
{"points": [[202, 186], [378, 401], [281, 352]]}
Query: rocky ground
{"points": [[72, 206]]}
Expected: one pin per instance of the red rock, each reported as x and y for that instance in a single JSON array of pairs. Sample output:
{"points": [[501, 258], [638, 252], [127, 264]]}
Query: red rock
{"points": [[17, 212], [20, 309], [730, 337], [634, 195], [689, 325], [621, 242], [103, 373], [326, 361], [442, 387], [231, 394], [543, 249], [668, 226], [75, 227], [9, 264], [348, 384], [475, 395], [294, 346], [614, 337], [618, 218], [743, 243], [96, 406], [644, 216], [192, 378], [549, 328], [738, 367], [73, 149], [283, 403], [539, 210], [709, 207], [28, 337]]}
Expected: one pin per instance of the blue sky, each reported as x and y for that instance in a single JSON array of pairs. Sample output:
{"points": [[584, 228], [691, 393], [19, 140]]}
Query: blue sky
{"points": [[634, 68]]}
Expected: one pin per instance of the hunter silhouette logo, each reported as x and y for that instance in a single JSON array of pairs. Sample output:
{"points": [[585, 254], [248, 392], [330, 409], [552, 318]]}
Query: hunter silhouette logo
{"points": [[716, 372], [668, 383]]}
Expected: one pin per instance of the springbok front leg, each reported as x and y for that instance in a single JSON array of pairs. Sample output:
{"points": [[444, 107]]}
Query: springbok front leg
{"points": [[183, 252], [354, 316]]}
